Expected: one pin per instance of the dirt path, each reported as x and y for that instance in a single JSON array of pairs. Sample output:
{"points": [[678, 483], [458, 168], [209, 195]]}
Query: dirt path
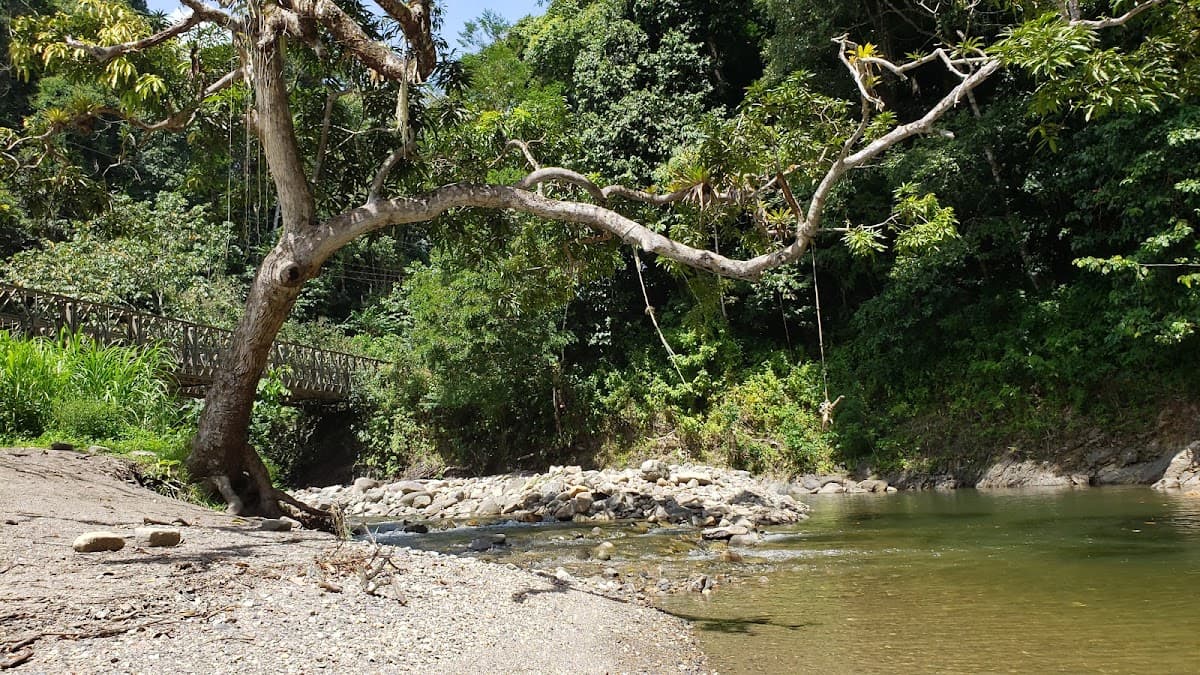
{"points": [[233, 598]]}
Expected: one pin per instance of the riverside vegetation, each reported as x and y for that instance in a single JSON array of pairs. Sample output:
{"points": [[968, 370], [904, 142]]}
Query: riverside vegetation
{"points": [[1022, 277]]}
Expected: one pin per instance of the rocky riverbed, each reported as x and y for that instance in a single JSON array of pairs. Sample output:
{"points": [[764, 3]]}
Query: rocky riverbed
{"points": [[655, 492]]}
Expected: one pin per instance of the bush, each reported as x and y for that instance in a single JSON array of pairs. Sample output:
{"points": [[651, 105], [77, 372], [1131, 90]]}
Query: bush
{"points": [[87, 418], [83, 389]]}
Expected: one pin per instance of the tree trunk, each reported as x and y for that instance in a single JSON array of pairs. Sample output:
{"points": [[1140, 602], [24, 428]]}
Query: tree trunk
{"points": [[221, 456]]}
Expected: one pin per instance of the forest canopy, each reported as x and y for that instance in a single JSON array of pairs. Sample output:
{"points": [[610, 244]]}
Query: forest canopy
{"points": [[993, 202]]}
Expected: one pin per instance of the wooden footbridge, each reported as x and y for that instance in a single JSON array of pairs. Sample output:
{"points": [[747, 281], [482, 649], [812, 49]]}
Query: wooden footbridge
{"points": [[310, 373]]}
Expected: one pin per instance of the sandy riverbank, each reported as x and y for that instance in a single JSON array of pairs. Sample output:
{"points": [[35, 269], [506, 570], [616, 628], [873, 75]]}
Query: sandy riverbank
{"points": [[234, 598]]}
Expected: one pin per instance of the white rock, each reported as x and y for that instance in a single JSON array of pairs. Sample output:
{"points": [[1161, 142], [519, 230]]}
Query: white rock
{"points": [[158, 536], [93, 542]]}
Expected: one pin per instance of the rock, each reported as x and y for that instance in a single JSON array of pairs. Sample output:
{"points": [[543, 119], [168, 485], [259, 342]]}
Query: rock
{"points": [[406, 486], [1182, 472], [421, 501], [364, 484], [488, 542], [275, 525], [582, 502], [565, 512], [654, 469], [811, 483], [748, 539], [410, 497], [93, 542], [65, 447], [416, 528], [831, 489], [551, 489], [873, 485], [98, 450], [603, 551], [158, 536], [687, 476], [718, 533], [488, 507]]}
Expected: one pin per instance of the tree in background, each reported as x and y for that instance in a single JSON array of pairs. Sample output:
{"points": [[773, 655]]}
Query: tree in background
{"points": [[770, 169]]}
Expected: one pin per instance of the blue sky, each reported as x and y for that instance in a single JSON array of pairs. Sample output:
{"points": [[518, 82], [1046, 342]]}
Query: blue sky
{"points": [[457, 12]]}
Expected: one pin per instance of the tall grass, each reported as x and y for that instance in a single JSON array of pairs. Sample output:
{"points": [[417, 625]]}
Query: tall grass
{"points": [[82, 388]]}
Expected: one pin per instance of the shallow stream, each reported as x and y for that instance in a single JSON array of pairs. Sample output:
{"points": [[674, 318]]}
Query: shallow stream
{"points": [[1100, 580]]}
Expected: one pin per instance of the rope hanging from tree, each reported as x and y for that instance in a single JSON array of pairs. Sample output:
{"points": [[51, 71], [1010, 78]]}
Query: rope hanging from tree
{"points": [[827, 407]]}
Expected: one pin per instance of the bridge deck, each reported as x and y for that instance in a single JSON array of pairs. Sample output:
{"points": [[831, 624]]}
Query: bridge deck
{"points": [[196, 349]]}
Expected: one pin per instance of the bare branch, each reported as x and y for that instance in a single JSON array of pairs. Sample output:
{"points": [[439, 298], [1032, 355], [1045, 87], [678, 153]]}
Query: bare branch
{"points": [[375, 55], [524, 147], [556, 174], [864, 90], [385, 169], [341, 229], [326, 121], [1117, 21], [213, 15]]}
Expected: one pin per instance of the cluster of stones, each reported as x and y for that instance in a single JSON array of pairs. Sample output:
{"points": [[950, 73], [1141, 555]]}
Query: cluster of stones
{"points": [[656, 492], [825, 485]]}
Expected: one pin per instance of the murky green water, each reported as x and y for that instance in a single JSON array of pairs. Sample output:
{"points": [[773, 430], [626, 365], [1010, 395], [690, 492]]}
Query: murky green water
{"points": [[1103, 580], [1098, 581]]}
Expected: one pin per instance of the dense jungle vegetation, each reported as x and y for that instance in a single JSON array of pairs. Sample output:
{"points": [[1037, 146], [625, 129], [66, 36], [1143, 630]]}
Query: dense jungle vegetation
{"points": [[1029, 272]]}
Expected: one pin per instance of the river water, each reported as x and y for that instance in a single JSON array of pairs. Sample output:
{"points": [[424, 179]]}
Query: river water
{"points": [[1102, 580], [1097, 580]]}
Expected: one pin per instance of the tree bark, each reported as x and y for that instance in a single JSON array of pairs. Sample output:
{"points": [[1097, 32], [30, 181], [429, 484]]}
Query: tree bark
{"points": [[221, 456]]}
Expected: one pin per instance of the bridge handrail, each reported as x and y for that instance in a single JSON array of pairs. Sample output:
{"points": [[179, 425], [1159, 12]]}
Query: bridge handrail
{"points": [[315, 372]]}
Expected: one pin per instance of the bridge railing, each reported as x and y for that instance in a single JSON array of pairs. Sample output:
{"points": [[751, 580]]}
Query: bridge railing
{"points": [[309, 373]]}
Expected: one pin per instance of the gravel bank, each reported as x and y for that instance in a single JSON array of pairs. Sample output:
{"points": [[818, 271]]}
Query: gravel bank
{"points": [[656, 492], [233, 597]]}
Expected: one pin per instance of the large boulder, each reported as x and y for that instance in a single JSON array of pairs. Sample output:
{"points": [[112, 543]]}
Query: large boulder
{"points": [[363, 484], [1183, 472], [654, 469]]}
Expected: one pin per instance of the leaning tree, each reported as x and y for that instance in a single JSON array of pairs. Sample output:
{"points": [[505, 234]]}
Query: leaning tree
{"points": [[146, 71]]}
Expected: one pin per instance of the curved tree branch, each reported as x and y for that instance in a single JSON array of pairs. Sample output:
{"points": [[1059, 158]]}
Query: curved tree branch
{"points": [[343, 228], [350, 35], [104, 54], [414, 19], [1118, 20]]}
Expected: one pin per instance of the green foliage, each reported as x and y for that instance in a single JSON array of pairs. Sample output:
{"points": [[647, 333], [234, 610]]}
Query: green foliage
{"points": [[156, 256], [86, 418], [79, 387]]}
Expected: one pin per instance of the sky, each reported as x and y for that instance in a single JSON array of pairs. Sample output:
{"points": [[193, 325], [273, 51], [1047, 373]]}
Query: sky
{"points": [[456, 12]]}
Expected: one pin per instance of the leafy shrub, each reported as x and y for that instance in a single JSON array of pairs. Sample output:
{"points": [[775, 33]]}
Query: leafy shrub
{"points": [[87, 418]]}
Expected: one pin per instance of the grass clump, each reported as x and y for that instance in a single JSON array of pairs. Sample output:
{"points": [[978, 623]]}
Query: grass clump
{"points": [[73, 388]]}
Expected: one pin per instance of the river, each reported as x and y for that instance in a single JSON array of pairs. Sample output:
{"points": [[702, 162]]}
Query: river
{"points": [[1100, 580], [1095, 580]]}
